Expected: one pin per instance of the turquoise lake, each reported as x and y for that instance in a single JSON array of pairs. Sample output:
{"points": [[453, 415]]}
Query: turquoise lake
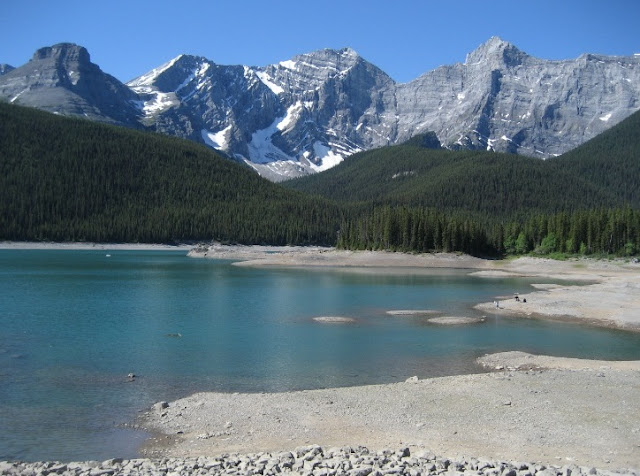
{"points": [[75, 323]]}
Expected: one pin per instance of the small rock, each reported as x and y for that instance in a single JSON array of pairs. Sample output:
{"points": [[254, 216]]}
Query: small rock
{"points": [[160, 406], [413, 379]]}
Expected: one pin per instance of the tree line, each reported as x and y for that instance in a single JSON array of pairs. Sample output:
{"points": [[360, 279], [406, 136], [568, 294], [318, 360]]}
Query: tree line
{"points": [[585, 232]]}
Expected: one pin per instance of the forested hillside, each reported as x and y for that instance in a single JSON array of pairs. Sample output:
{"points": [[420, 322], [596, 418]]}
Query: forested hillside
{"points": [[68, 179], [416, 198], [604, 172]]}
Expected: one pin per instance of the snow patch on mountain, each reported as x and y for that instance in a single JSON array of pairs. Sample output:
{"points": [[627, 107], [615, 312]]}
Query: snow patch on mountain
{"points": [[160, 102], [261, 148], [327, 157], [217, 140], [289, 64], [289, 121], [148, 78], [268, 82]]}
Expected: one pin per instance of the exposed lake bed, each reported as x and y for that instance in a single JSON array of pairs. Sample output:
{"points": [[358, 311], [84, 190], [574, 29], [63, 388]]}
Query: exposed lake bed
{"points": [[369, 320]]}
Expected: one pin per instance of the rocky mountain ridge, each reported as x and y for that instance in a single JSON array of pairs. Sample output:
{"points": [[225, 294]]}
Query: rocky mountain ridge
{"points": [[308, 113], [5, 68]]}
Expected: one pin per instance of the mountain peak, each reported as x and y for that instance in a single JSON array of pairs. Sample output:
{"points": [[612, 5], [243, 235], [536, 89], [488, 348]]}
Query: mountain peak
{"points": [[63, 51], [496, 49], [348, 52]]}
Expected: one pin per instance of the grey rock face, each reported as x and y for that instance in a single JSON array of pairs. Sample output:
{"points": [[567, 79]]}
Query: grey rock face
{"points": [[62, 79], [306, 114], [5, 68], [502, 99], [289, 119]]}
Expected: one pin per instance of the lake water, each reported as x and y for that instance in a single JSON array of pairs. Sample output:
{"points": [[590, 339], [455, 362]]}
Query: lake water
{"points": [[75, 323]]}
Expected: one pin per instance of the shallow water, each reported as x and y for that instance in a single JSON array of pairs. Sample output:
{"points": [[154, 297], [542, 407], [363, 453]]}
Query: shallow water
{"points": [[75, 323]]}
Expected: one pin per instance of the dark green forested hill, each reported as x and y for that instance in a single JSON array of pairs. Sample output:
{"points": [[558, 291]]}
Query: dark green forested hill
{"points": [[605, 172], [68, 179], [610, 161], [420, 198]]}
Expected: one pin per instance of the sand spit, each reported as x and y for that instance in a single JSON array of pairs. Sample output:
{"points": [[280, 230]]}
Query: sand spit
{"points": [[560, 415], [279, 256], [412, 313], [525, 361], [612, 302], [334, 320], [456, 320]]}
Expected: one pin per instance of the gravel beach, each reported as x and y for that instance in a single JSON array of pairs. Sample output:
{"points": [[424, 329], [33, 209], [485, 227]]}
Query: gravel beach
{"points": [[525, 410]]}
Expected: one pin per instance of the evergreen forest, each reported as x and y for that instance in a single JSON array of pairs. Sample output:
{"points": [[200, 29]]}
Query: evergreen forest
{"points": [[68, 179]]}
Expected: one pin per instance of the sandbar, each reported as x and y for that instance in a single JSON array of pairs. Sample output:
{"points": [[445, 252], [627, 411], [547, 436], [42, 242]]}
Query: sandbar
{"points": [[455, 320]]}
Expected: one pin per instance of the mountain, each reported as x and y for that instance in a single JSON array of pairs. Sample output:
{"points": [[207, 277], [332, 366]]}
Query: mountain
{"points": [[308, 113], [603, 172], [62, 79], [293, 118]]}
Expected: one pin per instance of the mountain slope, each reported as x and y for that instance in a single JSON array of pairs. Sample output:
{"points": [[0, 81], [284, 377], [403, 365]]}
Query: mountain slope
{"points": [[68, 179], [611, 160], [604, 172]]}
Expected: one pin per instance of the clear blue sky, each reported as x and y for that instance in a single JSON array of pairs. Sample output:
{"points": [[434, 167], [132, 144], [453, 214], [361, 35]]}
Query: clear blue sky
{"points": [[403, 37]]}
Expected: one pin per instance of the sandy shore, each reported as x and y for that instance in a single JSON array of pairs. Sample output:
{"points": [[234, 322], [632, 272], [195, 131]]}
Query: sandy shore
{"points": [[303, 256], [556, 411]]}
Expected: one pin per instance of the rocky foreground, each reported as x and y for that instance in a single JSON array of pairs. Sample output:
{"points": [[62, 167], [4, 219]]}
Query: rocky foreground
{"points": [[307, 460]]}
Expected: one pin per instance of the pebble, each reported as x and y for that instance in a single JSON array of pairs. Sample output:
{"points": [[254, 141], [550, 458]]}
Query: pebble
{"points": [[310, 460]]}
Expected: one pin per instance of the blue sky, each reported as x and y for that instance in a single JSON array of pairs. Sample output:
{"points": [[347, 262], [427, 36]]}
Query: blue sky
{"points": [[403, 37]]}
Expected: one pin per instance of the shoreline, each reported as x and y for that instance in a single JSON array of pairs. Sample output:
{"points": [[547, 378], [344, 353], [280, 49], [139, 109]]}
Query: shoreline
{"points": [[50, 245], [525, 397]]}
